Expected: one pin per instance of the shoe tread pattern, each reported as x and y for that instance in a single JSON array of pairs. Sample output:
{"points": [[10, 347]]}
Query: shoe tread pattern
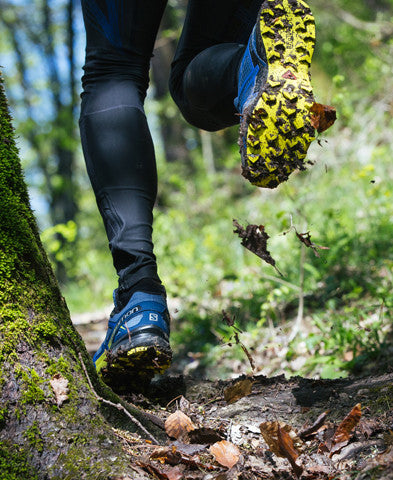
{"points": [[130, 369], [276, 129]]}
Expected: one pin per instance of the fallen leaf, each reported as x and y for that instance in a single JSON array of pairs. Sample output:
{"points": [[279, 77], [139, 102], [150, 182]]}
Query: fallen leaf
{"points": [[344, 430], [254, 238], [59, 386], [320, 469], [270, 434], [178, 424], [368, 426], [187, 449], [226, 453], [172, 456], [174, 473], [240, 389], [152, 470], [325, 436], [288, 449], [204, 435], [280, 439], [195, 462], [322, 116], [184, 404], [312, 429], [167, 455]]}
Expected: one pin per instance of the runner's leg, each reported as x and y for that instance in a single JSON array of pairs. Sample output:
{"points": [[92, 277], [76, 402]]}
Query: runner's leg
{"points": [[116, 141], [204, 71]]}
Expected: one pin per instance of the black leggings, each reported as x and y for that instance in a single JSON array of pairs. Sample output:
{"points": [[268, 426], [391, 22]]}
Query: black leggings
{"points": [[116, 141]]}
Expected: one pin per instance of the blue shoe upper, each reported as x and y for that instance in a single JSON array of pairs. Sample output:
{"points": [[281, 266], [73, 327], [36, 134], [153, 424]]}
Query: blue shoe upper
{"points": [[142, 310], [252, 68]]}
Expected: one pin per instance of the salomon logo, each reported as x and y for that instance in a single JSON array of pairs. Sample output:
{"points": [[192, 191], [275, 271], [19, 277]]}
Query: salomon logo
{"points": [[153, 317]]}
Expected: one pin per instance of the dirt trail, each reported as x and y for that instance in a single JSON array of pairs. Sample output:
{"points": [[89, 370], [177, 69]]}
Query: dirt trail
{"points": [[297, 403]]}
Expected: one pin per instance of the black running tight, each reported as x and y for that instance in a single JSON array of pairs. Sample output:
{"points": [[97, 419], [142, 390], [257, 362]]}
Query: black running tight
{"points": [[116, 141]]}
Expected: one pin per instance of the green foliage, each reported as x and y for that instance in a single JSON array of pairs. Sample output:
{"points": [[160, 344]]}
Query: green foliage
{"points": [[344, 201], [60, 244]]}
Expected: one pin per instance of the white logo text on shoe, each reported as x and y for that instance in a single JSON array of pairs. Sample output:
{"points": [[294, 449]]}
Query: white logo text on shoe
{"points": [[153, 317]]}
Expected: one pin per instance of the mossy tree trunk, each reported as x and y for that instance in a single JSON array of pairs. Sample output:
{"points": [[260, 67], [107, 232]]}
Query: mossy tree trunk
{"points": [[38, 438]]}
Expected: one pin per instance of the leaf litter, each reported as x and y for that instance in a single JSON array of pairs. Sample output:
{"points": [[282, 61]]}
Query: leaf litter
{"points": [[278, 451]]}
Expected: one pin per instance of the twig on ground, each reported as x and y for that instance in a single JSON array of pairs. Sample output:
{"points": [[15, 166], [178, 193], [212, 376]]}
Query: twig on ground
{"points": [[119, 406]]}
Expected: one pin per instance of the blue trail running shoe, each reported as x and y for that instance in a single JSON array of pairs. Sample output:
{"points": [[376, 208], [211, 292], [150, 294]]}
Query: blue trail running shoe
{"points": [[136, 346], [275, 96]]}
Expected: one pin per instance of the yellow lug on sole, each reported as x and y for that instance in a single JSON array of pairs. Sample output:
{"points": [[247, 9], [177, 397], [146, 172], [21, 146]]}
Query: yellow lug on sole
{"points": [[287, 29]]}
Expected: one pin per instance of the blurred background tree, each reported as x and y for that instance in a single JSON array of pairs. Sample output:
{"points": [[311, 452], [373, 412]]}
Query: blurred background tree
{"points": [[328, 315]]}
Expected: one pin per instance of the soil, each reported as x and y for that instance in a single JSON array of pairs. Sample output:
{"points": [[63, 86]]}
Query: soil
{"points": [[295, 403]]}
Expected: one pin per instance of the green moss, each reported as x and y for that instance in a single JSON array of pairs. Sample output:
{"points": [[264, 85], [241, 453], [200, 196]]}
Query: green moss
{"points": [[78, 459], [383, 401], [14, 463], [12, 330], [58, 366], [32, 435], [3, 416], [31, 393], [46, 329]]}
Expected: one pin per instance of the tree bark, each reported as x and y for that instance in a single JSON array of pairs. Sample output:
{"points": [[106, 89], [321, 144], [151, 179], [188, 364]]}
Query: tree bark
{"points": [[42, 437]]}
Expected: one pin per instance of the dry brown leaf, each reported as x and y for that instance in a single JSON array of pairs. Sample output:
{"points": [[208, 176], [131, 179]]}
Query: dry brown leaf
{"points": [[152, 470], [167, 455], [344, 430], [240, 389], [306, 239], [59, 386], [173, 456], [178, 424], [254, 238], [174, 473], [270, 434], [226, 453], [187, 449], [322, 116], [281, 441], [312, 429], [289, 451]]}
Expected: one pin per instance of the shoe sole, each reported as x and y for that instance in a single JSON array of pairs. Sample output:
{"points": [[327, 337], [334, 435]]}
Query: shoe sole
{"points": [[133, 369], [276, 129]]}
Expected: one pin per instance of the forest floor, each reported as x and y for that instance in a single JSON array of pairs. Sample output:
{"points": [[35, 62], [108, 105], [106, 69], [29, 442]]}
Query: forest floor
{"points": [[266, 428], [258, 427]]}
